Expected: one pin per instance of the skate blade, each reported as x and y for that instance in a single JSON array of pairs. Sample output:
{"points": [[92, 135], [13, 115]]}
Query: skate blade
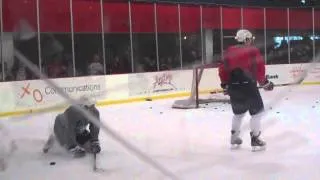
{"points": [[258, 148], [235, 146]]}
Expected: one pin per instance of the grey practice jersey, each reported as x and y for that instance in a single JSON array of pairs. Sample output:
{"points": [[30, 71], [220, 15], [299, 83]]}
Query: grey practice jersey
{"points": [[72, 123]]}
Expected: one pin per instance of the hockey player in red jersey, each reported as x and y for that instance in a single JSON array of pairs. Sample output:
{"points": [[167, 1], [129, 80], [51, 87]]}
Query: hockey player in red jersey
{"points": [[242, 69]]}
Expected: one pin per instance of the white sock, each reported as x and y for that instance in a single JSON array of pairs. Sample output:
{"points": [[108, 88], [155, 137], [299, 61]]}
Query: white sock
{"points": [[255, 123], [237, 121]]}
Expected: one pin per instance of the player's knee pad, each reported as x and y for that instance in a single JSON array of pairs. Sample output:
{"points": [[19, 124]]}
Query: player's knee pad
{"points": [[256, 111], [238, 116], [239, 107], [256, 105]]}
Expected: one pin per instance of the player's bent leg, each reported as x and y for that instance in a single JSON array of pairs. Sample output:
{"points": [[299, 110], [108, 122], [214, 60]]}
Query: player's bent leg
{"points": [[52, 137], [256, 110], [235, 139], [59, 136], [49, 143], [238, 98], [239, 107]]}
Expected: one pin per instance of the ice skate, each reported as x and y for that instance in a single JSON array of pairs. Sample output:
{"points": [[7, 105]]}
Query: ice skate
{"points": [[49, 144], [256, 143], [235, 141]]}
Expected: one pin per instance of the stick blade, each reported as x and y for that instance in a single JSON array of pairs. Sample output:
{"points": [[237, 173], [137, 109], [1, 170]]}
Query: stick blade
{"points": [[94, 162]]}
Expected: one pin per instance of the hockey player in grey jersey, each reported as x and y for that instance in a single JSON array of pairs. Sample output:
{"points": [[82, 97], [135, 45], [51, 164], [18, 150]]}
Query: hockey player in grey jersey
{"points": [[71, 130]]}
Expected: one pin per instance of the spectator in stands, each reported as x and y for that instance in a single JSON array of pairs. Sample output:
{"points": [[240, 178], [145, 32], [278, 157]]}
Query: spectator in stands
{"points": [[150, 64], [163, 64], [56, 68], [118, 66], [1, 74], [7, 74], [20, 71], [95, 66], [171, 63]]}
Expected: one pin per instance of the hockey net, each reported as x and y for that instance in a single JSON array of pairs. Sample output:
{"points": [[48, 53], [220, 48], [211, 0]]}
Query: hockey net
{"points": [[199, 96]]}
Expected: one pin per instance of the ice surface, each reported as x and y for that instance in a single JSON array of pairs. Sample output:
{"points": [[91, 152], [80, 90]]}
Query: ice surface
{"points": [[194, 144]]}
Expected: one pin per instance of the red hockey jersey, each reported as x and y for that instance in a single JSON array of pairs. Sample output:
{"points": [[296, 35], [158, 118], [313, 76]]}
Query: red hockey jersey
{"points": [[248, 58]]}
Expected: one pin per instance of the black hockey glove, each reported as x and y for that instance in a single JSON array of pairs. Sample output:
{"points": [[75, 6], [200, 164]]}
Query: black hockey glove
{"points": [[77, 151], [268, 85], [95, 146], [224, 88]]}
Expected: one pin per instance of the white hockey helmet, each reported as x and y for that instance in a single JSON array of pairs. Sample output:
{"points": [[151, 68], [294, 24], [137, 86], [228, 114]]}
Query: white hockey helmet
{"points": [[86, 100], [243, 34]]}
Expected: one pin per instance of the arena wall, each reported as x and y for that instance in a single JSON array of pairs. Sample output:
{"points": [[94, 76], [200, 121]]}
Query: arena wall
{"points": [[25, 97]]}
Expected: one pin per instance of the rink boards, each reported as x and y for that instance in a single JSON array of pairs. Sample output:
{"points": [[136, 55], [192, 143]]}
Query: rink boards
{"points": [[22, 97]]}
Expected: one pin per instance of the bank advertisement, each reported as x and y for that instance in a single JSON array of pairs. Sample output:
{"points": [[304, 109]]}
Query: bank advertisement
{"points": [[280, 74], [290, 73]]}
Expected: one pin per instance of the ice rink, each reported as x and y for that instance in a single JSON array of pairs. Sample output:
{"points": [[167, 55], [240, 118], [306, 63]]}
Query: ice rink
{"points": [[193, 144]]}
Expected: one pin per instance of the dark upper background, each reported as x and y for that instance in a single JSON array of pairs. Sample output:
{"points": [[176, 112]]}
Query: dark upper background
{"points": [[89, 37]]}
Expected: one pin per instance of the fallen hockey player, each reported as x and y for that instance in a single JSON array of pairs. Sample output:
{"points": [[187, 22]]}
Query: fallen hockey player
{"points": [[74, 132]]}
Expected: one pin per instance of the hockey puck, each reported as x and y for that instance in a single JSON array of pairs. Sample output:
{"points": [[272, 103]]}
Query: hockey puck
{"points": [[313, 106], [52, 163], [161, 112], [150, 107], [148, 99], [278, 112]]}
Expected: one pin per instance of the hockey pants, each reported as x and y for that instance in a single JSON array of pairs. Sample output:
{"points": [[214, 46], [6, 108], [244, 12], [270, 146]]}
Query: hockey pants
{"points": [[245, 97]]}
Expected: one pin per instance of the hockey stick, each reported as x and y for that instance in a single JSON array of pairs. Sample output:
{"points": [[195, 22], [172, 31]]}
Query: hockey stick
{"points": [[95, 166], [298, 82], [260, 87], [95, 162]]}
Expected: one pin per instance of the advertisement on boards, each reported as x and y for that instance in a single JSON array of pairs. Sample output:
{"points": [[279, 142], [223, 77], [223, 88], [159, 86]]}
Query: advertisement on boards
{"points": [[148, 84], [314, 73], [279, 74], [36, 93], [296, 71]]}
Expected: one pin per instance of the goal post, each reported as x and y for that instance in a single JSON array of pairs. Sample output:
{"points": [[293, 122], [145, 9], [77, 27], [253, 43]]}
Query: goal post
{"points": [[195, 100]]}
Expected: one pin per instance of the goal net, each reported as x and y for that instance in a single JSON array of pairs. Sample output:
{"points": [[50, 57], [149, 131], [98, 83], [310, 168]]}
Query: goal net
{"points": [[199, 94]]}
